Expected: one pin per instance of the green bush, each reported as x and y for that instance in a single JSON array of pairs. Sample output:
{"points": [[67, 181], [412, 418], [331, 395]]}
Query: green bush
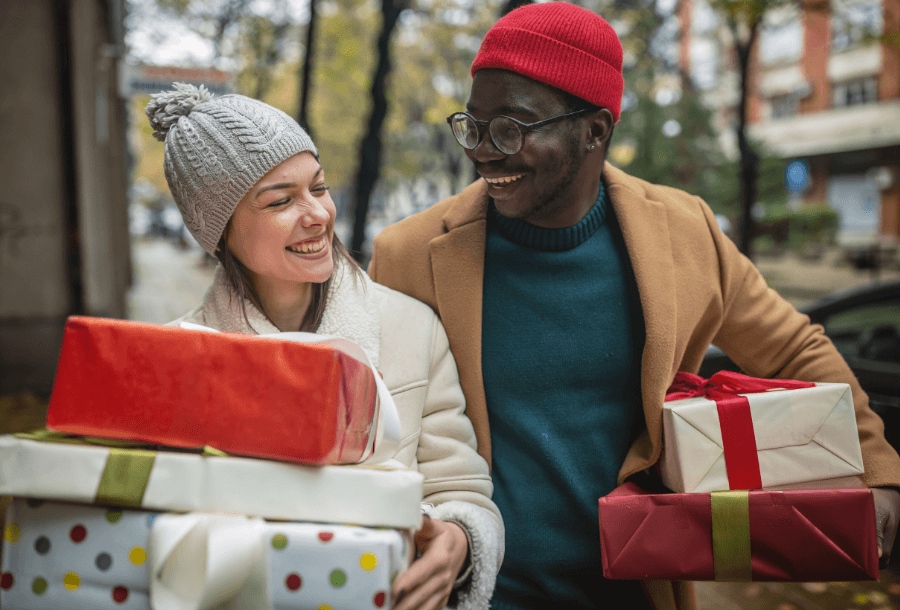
{"points": [[814, 224], [765, 245]]}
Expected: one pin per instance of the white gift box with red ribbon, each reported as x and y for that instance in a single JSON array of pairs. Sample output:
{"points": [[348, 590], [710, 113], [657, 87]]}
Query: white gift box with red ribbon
{"points": [[739, 432]]}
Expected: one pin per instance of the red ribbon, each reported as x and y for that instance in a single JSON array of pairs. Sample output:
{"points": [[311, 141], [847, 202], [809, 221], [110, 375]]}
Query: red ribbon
{"points": [[738, 438]]}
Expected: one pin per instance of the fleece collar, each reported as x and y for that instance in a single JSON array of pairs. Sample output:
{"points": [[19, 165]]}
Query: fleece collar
{"points": [[351, 311]]}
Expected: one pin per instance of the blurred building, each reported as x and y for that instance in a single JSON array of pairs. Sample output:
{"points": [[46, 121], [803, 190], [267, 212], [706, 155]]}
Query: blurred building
{"points": [[64, 246], [824, 95]]}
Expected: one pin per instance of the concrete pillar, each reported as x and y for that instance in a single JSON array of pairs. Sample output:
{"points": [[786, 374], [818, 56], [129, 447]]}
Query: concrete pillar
{"points": [[819, 172], [34, 286], [890, 207], [64, 244], [99, 148]]}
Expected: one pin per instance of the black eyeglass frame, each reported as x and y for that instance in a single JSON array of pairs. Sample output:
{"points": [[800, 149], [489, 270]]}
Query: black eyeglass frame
{"points": [[524, 128]]}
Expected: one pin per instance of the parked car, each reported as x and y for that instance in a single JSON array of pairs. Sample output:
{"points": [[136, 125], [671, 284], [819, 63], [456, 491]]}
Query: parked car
{"points": [[864, 325]]}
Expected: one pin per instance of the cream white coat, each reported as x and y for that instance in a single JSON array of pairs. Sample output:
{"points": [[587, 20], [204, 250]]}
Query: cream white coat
{"points": [[407, 344]]}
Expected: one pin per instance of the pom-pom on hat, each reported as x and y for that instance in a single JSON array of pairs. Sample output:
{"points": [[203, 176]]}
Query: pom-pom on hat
{"points": [[217, 148], [561, 45]]}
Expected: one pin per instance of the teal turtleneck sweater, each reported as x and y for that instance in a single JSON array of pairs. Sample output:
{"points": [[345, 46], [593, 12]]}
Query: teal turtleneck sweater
{"points": [[562, 336]]}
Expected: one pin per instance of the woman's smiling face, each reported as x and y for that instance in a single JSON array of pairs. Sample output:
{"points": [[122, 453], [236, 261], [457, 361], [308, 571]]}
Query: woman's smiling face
{"points": [[282, 229]]}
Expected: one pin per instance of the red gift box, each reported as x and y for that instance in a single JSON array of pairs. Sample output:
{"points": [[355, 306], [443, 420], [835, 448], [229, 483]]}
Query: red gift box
{"points": [[802, 535], [237, 393]]}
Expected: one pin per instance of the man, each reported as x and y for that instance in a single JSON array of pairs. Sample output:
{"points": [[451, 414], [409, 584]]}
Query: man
{"points": [[572, 293]]}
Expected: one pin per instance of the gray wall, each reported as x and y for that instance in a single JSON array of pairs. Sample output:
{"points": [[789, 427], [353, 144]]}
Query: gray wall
{"points": [[47, 254]]}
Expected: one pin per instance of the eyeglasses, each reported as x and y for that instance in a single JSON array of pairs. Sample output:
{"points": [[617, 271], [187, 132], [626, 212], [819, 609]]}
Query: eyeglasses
{"points": [[506, 132]]}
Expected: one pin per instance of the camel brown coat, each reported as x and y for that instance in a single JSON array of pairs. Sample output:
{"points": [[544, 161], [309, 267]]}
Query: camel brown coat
{"points": [[695, 289]]}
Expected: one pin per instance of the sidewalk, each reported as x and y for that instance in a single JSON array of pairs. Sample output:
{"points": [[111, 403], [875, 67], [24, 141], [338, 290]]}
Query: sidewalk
{"points": [[881, 595], [168, 281], [802, 281]]}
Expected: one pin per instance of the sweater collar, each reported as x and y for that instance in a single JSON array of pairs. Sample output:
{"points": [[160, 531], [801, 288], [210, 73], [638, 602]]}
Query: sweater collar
{"points": [[350, 313], [550, 240]]}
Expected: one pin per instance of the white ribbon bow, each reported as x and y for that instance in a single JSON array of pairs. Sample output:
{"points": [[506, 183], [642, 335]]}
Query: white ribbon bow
{"points": [[208, 562], [386, 441]]}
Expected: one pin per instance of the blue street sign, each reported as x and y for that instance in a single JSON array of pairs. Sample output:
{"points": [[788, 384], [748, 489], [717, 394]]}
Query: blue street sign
{"points": [[796, 176]]}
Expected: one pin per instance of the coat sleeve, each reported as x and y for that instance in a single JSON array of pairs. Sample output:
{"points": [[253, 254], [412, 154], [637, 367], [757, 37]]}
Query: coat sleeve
{"points": [[765, 336], [457, 480]]}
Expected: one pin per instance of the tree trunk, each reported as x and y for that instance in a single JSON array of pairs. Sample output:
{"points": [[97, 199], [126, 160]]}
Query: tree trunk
{"points": [[749, 168], [370, 147], [511, 5], [307, 70]]}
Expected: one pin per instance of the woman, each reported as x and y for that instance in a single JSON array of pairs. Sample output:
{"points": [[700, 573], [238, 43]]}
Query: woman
{"points": [[251, 190]]}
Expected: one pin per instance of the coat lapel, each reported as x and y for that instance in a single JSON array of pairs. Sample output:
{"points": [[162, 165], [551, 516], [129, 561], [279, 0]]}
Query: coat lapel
{"points": [[646, 232], [457, 260]]}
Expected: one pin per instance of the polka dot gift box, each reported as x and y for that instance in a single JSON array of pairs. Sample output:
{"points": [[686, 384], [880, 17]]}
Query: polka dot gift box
{"points": [[74, 557], [70, 556], [322, 567]]}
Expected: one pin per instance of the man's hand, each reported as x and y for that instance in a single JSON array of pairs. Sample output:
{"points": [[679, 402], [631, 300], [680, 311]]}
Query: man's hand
{"points": [[428, 582], [887, 514]]}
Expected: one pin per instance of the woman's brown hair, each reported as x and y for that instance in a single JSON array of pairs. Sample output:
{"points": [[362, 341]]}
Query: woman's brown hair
{"points": [[239, 280]]}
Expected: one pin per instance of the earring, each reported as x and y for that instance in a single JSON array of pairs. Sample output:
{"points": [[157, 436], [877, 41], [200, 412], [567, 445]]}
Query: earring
{"points": [[591, 147]]}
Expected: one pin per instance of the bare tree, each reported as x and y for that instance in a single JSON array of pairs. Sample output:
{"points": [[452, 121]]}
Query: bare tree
{"points": [[744, 19], [512, 5], [371, 145], [229, 13], [307, 69], [212, 19], [264, 45]]}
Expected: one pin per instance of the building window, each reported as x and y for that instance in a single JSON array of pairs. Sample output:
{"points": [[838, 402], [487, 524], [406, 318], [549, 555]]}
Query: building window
{"points": [[784, 106], [855, 92], [854, 22]]}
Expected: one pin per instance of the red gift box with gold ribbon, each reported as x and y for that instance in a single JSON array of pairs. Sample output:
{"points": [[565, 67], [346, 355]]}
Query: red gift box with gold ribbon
{"points": [[236, 393], [797, 535]]}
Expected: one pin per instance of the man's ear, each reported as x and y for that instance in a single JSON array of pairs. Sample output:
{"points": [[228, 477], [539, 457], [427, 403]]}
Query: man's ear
{"points": [[601, 126]]}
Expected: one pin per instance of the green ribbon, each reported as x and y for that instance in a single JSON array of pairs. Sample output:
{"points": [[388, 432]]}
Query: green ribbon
{"points": [[731, 535], [128, 466], [52, 436], [125, 477]]}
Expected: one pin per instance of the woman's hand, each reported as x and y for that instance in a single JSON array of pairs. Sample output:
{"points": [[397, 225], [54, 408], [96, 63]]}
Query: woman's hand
{"points": [[428, 582]]}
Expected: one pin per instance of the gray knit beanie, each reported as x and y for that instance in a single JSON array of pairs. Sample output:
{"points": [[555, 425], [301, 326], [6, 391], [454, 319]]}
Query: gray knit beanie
{"points": [[216, 150]]}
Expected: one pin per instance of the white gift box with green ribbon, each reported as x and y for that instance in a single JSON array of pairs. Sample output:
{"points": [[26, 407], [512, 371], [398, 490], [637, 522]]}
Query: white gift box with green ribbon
{"points": [[183, 481]]}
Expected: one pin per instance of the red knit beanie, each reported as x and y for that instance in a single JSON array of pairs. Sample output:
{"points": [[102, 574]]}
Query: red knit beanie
{"points": [[561, 45]]}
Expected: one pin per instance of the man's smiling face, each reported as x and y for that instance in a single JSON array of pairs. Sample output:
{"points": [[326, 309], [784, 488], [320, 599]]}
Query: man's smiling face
{"points": [[539, 184]]}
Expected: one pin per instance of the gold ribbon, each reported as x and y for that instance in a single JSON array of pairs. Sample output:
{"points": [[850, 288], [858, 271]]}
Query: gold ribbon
{"points": [[731, 535]]}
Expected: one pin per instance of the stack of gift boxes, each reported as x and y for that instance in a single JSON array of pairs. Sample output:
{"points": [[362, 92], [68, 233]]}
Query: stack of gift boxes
{"points": [[766, 475], [190, 470]]}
